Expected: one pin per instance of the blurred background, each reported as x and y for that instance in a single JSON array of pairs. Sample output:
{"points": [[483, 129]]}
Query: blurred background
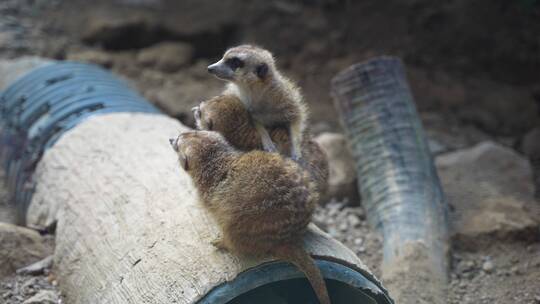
{"points": [[474, 68]]}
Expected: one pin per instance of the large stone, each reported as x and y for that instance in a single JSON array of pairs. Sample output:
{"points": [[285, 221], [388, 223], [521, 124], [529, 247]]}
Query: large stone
{"points": [[491, 191], [120, 32], [166, 56], [19, 247], [92, 56], [177, 97], [531, 148], [342, 182]]}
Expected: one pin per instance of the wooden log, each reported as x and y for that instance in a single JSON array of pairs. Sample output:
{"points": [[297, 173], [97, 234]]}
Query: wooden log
{"points": [[130, 229]]}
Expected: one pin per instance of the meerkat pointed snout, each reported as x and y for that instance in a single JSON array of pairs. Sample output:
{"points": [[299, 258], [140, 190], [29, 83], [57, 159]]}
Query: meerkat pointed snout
{"points": [[243, 64], [271, 99]]}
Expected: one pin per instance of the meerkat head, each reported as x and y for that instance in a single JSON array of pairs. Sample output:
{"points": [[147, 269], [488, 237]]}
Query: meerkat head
{"points": [[244, 65], [223, 113], [195, 148]]}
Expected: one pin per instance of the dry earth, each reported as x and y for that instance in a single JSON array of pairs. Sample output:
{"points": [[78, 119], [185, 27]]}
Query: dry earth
{"points": [[473, 67]]}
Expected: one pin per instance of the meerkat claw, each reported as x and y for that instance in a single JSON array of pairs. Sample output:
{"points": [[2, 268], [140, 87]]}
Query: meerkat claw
{"points": [[197, 115], [196, 112], [269, 146], [219, 244], [267, 143]]}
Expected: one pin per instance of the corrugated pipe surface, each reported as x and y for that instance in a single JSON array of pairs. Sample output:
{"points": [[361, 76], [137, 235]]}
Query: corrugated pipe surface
{"points": [[397, 178], [40, 106]]}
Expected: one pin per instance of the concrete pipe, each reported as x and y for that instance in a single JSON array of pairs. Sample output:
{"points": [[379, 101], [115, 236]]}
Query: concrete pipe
{"points": [[397, 179]]}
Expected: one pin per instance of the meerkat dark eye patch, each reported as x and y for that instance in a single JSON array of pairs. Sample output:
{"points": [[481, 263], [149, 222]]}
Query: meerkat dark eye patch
{"points": [[209, 124], [261, 70], [234, 63]]}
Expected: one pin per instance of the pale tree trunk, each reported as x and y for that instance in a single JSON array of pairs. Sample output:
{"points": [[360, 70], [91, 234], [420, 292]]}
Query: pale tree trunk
{"points": [[130, 227]]}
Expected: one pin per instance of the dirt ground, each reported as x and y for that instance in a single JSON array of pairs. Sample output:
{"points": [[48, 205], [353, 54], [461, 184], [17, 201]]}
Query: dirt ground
{"points": [[473, 67]]}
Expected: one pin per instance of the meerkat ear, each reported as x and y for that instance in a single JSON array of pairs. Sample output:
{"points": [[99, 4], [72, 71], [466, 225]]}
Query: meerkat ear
{"points": [[262, 70], [209, 124], [183, 161]]}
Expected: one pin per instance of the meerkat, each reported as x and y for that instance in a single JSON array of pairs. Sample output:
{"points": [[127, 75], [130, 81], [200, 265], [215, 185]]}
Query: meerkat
{"points": [[261, 201], [272, 99], [227, 115]]}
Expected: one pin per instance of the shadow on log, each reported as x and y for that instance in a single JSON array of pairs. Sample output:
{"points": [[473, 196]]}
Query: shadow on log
{"points": [[129, 228]]}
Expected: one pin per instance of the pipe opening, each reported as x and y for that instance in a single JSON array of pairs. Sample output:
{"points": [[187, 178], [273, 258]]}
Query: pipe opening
{"points": [[282, 283]]}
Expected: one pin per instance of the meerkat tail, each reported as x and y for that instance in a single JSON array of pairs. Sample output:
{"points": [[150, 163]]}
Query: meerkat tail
{"points": [[301, 259]]}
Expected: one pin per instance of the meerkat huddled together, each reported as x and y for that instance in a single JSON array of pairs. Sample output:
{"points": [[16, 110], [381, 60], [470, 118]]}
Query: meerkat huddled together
{"points": [[227, 115], [254, 164]]}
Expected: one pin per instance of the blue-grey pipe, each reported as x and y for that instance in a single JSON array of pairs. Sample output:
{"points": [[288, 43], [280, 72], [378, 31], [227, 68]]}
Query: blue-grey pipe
{"points": [[43, 104], [398, 182]]}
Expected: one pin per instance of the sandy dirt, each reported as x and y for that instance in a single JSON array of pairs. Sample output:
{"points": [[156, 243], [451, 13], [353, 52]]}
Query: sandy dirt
{"points": [[473, 67]]}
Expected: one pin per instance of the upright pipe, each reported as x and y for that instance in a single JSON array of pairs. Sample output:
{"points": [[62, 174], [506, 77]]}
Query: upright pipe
{"points": [[397, 179]]}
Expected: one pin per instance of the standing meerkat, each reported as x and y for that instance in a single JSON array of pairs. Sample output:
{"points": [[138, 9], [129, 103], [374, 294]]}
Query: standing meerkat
{"points": [[261, 201], [270, 98], [227, 115]]}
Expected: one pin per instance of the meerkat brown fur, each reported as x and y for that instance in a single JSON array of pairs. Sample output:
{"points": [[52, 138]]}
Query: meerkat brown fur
{"points": [[262, 201], [270, 98], [227, 115]]}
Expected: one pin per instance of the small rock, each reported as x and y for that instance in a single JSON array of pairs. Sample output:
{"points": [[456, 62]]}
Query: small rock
{"points": [[436, 147], [37, 267], [483, 119], [20, 247], [333, 209], [43, 297], [353, 220], [91, 56], [333, 231], [166, 56], [491, 190], [30, 284], [342, 173], [488, 266], [515, 270], [466, 266], [531, 148]]}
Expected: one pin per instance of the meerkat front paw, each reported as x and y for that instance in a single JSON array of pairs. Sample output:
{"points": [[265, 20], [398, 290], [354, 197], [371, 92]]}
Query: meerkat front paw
{"points": [[219, 243], [299, 160], [267, 143], [197, 115]]}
